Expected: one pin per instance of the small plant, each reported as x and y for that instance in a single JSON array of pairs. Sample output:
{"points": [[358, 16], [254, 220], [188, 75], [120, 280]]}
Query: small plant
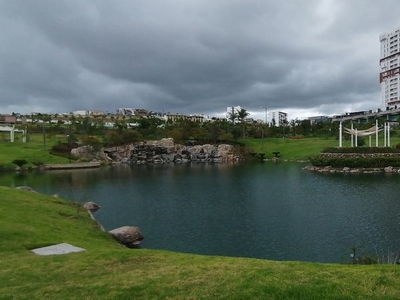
{"points": [[20, 162], [363, 259], [38, 163]]}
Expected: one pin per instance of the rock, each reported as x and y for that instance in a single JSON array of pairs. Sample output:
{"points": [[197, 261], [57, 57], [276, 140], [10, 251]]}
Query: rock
{"points": [[25, 188], [346, 169], [91, 206], [129, 236], [388, 170], [56, 196]]}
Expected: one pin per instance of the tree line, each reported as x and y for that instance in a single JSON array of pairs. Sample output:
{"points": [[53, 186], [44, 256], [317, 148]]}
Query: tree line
{"points": [[231, 130]]}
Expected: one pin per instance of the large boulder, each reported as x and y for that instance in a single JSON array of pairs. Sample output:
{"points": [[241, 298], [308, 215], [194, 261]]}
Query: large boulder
{"points": [[128, 236], [26, 188], [91, 206]]}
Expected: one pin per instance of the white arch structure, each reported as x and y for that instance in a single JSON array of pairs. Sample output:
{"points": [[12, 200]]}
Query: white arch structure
{"points": [[355, 133], [12, 131]]}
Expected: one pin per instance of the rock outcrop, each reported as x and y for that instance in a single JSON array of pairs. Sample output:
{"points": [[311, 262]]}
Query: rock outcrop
{"points": [[128, 236], [165, 151]]}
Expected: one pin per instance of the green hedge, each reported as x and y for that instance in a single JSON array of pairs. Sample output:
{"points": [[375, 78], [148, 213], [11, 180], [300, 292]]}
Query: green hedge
{"points": [[361, 150]]}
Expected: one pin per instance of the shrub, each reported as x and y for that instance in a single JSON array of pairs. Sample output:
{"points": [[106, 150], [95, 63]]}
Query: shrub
{"points": [[361, 150], [37, 163], [20, 162]]}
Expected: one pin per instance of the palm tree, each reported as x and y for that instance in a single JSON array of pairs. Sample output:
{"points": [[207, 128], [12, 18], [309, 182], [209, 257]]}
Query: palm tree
{"points": [[232, 116], [242, 115]]}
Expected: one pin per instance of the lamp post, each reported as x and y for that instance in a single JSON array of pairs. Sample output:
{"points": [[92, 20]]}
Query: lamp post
{"points": [[69, 143], [265, 121], [266, 113]]}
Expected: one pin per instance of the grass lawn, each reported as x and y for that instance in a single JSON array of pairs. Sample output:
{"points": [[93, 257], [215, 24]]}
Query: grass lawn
{"points": [[301, 148], [290, 148], [107, 270], [34, 150]]}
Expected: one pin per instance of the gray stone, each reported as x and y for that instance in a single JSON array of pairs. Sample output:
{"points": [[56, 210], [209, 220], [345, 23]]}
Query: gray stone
{"points": [[388, 170], [26, 188], [129, 236], [58, 249], [91, 206]]}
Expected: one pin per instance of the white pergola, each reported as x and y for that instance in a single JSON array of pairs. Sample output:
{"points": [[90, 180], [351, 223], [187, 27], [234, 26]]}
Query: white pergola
{"points": [[12, 131], [374, 130]]}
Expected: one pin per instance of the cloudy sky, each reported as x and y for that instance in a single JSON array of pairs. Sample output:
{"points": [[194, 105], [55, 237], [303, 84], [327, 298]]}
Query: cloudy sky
{"points": [[308, 57]]}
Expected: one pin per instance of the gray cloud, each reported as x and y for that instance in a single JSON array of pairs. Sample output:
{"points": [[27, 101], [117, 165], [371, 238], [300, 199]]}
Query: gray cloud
{"points": [[192, 56]]}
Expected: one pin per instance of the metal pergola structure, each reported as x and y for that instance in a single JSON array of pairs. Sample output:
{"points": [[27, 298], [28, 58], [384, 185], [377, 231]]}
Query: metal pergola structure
{"points": [[374, 130], [12, 131]]}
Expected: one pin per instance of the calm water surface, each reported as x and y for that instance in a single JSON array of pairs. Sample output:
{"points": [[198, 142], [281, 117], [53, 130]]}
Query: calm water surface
{"points": [[271, 211]]}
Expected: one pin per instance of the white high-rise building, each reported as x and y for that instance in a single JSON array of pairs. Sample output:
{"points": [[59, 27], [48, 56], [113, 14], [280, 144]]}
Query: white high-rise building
{"points": [[279, 118], [390, 69]]}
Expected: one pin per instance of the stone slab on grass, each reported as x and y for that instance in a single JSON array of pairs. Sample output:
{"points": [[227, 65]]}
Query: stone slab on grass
{"points": [[58, 249]]}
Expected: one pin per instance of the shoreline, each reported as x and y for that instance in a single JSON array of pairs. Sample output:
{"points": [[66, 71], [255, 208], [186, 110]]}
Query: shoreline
{"points": [[347, 170]]}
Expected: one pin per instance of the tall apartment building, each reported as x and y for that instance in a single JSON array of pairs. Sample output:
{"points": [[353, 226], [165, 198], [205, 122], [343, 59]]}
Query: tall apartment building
{"points": [[279, 118], [390, 69]]}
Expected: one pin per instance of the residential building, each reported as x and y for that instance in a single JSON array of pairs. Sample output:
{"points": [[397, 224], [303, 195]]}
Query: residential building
{"points": [[8, 119], [192, 118], [80, 113], [126, 111], [319, 119], [390, 69], [230, 110], [279, 118]]}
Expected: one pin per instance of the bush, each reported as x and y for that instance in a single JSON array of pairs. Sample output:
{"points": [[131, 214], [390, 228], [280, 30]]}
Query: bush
{"points": [[37, 163], [361, 150], [20, 162]]}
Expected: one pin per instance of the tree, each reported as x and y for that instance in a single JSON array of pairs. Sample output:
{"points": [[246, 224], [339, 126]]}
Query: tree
{"points": [[232, 116], [242, 115]]}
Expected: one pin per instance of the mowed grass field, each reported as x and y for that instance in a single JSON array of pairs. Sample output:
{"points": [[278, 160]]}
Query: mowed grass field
{"points": [[107, 270], [300, 149], [34, 150], [291, 148]]}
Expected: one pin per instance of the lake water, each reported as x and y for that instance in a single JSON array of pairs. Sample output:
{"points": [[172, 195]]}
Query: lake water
{"points": [[271, 211]]}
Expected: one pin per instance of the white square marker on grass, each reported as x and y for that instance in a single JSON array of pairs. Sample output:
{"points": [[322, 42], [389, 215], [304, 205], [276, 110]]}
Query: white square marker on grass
{"points": [[58, 249]]}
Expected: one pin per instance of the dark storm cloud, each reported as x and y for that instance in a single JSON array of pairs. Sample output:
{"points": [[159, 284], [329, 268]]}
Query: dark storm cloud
{"points": [[191, 56]]}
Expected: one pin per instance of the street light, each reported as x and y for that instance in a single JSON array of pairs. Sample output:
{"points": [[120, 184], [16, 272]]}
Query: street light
{"points": [[266, 113], [266, 121]]}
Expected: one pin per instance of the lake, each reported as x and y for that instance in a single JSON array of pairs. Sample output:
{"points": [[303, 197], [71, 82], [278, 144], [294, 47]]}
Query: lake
{"points": [[266, 210]]}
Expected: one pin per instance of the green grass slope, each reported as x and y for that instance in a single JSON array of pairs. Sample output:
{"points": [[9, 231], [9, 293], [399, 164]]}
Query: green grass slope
{"points": [[107, 270], [32, 151]]}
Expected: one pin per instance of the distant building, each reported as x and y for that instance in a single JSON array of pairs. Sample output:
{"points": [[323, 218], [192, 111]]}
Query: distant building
{"points": [[141, 112], [80, 113], [97, 113], [192, 118], [230, 110], [279, 118], [390, 69], [126, 111], [8, 119], [319, 119]]}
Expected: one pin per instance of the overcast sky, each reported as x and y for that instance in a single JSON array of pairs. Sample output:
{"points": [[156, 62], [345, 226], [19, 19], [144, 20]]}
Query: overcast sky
{"points": [[308, 57]]}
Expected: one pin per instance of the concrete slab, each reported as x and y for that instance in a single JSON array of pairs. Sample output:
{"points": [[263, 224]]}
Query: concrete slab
{"points": [[58, 249]]}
